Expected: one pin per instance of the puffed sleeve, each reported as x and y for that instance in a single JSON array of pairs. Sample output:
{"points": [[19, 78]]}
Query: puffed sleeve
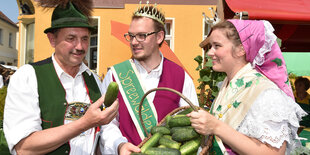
{"points": [[273, 118]]}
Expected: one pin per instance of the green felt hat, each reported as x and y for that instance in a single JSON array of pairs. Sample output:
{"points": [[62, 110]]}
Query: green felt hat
{"points": [[69, 16]]}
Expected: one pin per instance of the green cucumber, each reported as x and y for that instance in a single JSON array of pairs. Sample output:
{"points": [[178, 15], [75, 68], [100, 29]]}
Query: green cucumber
{"points": [[111, 94], [161, 129], [167, 120], [185, 135], [190, 147], [169, 143], [161, 146], [167, 136], [179, 121], [178, 128], [186, 111], [162, 151], [178, 115], [151, 142]]}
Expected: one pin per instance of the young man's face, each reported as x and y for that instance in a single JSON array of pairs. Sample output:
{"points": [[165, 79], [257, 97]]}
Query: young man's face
{"points": [[71, 45], [143, 50]]}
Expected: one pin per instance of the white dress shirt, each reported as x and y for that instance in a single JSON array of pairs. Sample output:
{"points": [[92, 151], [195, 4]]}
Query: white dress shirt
{"points": [[112, 136], [22, 113]]}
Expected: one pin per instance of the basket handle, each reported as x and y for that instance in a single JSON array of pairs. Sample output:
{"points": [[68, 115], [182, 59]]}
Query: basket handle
{"points": [[162, 88]]}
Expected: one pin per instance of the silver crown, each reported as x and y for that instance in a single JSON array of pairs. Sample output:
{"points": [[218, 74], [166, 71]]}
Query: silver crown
{"points": [[150, 12], [213, 20]]}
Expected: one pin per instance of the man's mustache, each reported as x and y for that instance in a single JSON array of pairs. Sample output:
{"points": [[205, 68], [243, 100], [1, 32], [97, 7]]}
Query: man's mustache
{"points": [[77, 51]]}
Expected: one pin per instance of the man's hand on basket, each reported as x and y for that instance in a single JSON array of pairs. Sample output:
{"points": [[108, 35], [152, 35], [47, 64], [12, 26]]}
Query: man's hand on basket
{"points": [[127, 148], [203, 122]]}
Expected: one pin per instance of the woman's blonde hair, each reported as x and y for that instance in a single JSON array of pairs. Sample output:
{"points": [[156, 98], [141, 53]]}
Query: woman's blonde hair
{"points": [[230, 31]]}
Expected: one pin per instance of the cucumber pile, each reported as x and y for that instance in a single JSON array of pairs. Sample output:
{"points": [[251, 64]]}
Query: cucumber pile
{"points": [[175, 137]]}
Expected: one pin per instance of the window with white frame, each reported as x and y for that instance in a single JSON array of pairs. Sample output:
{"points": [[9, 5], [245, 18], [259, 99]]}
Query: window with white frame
{"points": [[92, 56], [10, 40], [26, 46], [169, 27], [206, 28], [29, 48], [1, 36], [93, 52]]}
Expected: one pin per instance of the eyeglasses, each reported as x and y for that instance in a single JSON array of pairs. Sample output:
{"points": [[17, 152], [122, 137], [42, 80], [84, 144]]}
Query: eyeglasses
{"points": [[139, 37]]}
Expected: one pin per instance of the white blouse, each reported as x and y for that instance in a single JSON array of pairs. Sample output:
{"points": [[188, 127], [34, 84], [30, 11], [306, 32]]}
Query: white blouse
{"points": [[273, 118]]}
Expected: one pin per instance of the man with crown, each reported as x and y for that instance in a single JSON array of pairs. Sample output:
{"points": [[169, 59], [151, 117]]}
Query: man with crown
{"points": [[147, 69], [53, 106]]}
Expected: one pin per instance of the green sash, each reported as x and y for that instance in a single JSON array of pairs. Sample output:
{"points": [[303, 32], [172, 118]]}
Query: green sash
{"points": [[126, 75]]}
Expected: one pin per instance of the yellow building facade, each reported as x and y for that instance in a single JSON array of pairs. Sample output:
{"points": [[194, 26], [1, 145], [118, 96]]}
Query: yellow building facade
{"points": [[186, 29]]}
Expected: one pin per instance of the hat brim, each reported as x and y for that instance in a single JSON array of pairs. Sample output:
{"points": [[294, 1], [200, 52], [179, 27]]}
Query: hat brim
{"points": [[66, 26]]}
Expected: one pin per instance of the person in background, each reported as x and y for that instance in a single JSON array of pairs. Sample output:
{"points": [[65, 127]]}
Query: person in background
{"points": [[303, 98], [53, 106], [255, 111], [301, 86], [147, 69]]}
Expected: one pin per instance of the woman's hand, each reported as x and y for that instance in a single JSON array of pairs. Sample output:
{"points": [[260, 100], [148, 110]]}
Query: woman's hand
{"points": [[206, 124], [203, 122]]}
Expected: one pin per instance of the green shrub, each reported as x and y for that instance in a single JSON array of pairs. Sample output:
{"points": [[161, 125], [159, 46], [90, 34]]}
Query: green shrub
{"points": [[210, 78], [3, 91]]}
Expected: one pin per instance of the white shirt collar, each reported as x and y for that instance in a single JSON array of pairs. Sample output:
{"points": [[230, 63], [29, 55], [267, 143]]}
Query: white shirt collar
{"points": [[60, 71], [156, 72]]}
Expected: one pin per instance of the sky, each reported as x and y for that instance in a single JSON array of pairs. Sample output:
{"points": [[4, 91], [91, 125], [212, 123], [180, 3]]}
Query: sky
{"points": [[10, 9]]}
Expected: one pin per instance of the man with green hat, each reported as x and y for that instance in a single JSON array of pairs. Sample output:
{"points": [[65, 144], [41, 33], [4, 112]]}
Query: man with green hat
{"points": [[53, 106]]}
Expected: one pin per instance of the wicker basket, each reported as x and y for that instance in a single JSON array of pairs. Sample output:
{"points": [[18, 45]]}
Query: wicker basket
{"points": [[205, 144]]}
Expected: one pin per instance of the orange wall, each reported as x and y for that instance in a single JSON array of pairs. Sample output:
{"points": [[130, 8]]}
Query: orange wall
{"points": [[187, 35], [42, 47]]}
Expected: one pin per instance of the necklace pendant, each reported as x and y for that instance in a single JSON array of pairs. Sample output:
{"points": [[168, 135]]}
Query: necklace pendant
{"points": [[229, 106], [220, 115]]}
